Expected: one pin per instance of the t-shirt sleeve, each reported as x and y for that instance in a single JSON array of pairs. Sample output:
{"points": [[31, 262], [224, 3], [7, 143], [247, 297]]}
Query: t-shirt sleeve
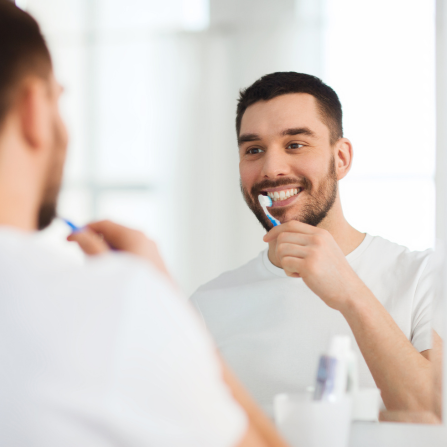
{"points": [[168, 381], [422, 305]]}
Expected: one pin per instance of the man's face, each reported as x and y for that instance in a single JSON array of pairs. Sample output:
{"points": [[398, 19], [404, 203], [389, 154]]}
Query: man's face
{"points": [[58, 148], [285, 152]]}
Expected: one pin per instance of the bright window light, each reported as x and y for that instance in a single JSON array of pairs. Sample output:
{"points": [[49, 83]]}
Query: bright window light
{"points": [[384, 72], [195, 14]]}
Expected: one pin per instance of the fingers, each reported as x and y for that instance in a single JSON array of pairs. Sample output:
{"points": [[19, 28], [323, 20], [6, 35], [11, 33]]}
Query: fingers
{"points": [[132, 241], [293, 250], [295, 238], [293, 266], [291, 258], [292, 226], [126, 239], [90, 242], [109, 234], [117, 236]]}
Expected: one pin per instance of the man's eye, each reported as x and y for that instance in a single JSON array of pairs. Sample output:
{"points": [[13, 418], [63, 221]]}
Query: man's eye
{"points": [[254, 151], [295, 146]]}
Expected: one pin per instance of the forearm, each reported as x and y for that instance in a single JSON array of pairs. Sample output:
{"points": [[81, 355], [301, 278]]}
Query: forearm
{"points": [[257, 419], [435, 357], [402, 374]]}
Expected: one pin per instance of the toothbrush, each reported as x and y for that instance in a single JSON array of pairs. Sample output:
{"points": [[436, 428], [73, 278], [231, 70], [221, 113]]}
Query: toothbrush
{"points": [[266, 201], [73, 227]]}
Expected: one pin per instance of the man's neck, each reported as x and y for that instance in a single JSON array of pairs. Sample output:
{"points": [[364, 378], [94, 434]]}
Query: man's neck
{"points": [[346, 236], [19, 187], [14, 213]]}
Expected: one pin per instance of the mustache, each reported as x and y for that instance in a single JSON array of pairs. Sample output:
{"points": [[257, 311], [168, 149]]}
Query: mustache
{"points": [[264, 184]]}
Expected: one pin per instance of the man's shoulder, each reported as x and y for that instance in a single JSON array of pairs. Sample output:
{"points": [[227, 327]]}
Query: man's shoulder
{"points": [[391, 257], [125, 277], [49, 269], [393, 250], [250, 272]]}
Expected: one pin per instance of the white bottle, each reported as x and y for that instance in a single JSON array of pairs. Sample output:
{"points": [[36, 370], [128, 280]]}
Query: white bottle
{"points": [[346, 376]]}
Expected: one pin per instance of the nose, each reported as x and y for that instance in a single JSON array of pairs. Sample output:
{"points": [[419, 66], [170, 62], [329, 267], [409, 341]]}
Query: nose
{"points": [[276, 164]]}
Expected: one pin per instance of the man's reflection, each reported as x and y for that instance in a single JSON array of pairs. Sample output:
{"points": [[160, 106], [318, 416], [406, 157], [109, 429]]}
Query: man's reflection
{"points": [[272, 317]]}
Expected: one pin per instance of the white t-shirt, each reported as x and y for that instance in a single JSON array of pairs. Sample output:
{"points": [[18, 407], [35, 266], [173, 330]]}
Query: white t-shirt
{"points": [[105, 354], [271, 328]]}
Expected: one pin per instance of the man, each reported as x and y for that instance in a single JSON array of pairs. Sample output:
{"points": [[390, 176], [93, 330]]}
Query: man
{"points": [[104, 354], [319, 277]]}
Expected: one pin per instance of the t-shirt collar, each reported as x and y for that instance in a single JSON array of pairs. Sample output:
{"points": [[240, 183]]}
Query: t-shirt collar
{"points": [[350, 257], [270, 267]]}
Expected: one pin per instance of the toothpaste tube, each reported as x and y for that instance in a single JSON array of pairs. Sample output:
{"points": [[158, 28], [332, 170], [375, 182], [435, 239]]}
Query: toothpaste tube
{"points": [[326, 375]]}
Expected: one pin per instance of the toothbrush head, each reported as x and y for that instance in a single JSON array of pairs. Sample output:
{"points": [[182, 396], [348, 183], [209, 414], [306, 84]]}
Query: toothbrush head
{"points": [[265, 200]]}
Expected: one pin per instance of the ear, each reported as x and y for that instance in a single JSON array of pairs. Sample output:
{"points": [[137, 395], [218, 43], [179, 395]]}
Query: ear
{"points": [[34, 112], [343, 154]]}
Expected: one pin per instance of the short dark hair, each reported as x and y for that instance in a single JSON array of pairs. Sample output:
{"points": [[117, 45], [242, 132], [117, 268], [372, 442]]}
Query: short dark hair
{"points": [[282, 83], [23, 52]]}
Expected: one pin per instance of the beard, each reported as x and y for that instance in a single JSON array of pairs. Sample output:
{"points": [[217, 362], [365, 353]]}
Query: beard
{"points": [[319, 202], [47, 210], [48, 206]]}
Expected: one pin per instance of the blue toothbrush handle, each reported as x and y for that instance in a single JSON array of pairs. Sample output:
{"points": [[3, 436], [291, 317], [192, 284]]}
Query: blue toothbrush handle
{"points": [[273, 221], [72, 226]]}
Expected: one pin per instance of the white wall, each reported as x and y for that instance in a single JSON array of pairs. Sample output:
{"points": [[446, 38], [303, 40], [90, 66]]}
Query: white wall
{"points": [[380, 58]]}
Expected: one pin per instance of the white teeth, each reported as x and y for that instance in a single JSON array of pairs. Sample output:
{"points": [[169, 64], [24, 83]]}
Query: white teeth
{"points": [[282, 195]]}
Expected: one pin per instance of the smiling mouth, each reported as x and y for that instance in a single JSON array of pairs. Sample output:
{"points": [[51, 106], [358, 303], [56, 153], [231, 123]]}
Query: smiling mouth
{"points": [[280, 196]]}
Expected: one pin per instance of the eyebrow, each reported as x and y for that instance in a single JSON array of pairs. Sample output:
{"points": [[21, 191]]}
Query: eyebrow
{"points": [[298, 131], [247, 137]]}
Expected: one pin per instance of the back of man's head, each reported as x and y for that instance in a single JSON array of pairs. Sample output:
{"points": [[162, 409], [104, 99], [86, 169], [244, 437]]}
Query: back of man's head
{"points": [[282, 83], [23, 52], [33, 137]]}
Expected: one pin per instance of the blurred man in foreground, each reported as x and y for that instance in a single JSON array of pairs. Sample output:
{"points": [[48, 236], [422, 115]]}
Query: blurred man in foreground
{"points": [[104, 354]]}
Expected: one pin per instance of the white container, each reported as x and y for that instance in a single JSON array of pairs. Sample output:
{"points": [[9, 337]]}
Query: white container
{"points": [[366, 405], [309, 423]]}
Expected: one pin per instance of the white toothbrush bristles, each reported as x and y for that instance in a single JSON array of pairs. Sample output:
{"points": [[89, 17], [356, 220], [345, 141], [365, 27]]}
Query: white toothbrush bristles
{"points": [[266, 201]]}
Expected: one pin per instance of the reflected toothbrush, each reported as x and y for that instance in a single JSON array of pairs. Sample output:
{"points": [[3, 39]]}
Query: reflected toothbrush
{"points": [[266, 201]]}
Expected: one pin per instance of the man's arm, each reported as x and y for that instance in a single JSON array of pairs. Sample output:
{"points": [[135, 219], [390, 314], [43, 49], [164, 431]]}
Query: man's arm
{"points": [[424, 417], [404, 376], [258, 421], [435, 357]]}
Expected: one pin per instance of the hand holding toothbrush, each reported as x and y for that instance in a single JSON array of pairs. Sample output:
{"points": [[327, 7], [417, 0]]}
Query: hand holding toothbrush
{"points": [[99, 237], [311, 253]]}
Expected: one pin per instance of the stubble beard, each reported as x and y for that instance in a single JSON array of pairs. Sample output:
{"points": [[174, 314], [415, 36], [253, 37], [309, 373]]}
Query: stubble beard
{"points": [[316, 208], [48, 207]]}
